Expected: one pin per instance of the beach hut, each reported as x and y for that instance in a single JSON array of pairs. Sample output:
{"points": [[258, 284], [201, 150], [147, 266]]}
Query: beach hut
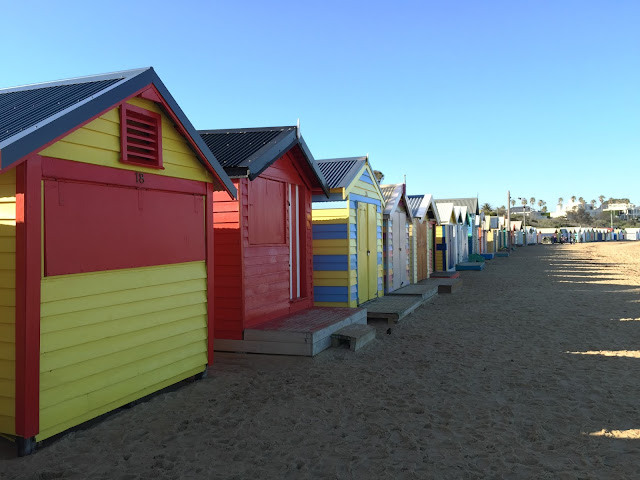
{"points": [[421, 233], [395, 236], [446, 252], [472, 211], [105, 261], [633, 234], [347, 235], [263, 245]]}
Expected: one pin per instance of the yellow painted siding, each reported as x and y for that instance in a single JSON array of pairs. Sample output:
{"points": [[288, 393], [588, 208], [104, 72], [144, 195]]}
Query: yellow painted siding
{"points": [[320, 215], [98, 143], [108, 338], [7, 300]]}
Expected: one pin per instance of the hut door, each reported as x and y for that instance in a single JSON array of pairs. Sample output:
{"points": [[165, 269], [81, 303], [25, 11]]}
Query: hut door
{"points": [[404, 279], [396, 238], [372, 225], [363, 254], [452, 246], [294, 242], [367, 252], [421, 232]]}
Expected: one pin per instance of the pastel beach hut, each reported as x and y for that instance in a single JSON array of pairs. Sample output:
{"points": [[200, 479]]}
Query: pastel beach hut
{"points": [[106, 266], [347, 235], [395, 236], [422, 236], [446, 246], [263, 239]]}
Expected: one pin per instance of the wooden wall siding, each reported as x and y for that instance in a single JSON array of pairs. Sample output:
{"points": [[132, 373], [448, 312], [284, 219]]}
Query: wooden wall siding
{"points": [[108, 338], [413, 252], [227, 252], [387, 255], [335, 262], [333, 255], [7, 300], [266, 267], [441, 249], [98, 142]]}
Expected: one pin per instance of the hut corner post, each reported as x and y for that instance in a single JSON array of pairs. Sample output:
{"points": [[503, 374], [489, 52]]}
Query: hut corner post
{"points": [[28, 278], [210, 262]]}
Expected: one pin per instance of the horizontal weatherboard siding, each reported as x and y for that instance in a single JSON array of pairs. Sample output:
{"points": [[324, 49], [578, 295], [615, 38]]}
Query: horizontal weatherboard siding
{"points": [[108, 338], [7, 300]]}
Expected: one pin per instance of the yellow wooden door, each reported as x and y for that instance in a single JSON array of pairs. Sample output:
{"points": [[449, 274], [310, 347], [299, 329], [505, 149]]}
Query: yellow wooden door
{"points": [[363, 259], [372, 249]]}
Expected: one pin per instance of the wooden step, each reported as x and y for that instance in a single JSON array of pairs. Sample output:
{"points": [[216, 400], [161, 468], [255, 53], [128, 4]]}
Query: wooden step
{"points": [[357, 335]]}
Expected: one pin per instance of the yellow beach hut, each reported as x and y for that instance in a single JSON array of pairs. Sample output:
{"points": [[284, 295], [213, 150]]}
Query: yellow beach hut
{"points": [[106, 249], [347, 234]]}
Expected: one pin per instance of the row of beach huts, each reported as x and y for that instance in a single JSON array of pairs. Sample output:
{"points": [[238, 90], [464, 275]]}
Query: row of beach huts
{"points": [[133, 245]]}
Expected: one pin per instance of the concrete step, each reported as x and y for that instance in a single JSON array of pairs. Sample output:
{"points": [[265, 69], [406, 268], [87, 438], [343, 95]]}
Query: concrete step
{"points": [[463, 266], [393, 308], [424, 291], [356, 335]]}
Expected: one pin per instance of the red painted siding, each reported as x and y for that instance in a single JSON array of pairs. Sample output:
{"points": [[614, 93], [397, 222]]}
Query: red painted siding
{"points": [[93, 227], [28, 235], [252, 282], [267, 279], [228, 296]]}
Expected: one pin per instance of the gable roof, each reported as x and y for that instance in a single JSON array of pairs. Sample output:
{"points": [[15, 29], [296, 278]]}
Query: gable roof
{"points": [[422, 206], [340, 172], [32, 116], [394, 194], [470, 203], [445, 212], [247, 152]]}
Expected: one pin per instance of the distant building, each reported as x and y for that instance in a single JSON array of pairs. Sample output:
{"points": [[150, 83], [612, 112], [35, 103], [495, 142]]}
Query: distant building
{"points": [[564, 208]]}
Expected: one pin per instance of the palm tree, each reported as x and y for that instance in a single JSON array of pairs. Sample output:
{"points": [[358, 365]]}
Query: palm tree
{"points": [[541, 203], [560, 200], [486, 208], [573, 199], [593, 203], [513, 202], [582, 201], [379, 175], [532, 201], [523, 201], [601, 198]]}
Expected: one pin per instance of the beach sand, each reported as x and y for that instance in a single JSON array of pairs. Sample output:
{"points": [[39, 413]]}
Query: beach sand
{"points": [[531, 370]]}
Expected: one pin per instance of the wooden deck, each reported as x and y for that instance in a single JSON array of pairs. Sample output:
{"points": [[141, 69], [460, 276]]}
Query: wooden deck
{"points": [[304, 333]]}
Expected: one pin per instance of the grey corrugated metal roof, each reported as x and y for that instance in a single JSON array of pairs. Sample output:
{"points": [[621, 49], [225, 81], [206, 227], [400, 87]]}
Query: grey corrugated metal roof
{"points": [[340, 172], [33, 115], [240, 147], [393, 195], [250, 151], [387, 192], [21, 109], [470, 203], [414, 203]]}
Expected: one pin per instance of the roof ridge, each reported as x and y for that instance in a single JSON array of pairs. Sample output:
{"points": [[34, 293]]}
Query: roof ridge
{"points": [[342, 159], [219, 131], [75, 80]]}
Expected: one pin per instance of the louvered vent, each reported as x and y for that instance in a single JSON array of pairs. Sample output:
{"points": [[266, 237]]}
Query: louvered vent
{"points": [[141, 136]]}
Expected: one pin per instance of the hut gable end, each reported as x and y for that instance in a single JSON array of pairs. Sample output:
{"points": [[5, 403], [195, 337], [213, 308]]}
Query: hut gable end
{"points": [[99, 142]]}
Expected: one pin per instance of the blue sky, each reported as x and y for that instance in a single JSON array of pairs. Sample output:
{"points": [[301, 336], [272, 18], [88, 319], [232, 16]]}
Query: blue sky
{"points": [[464, 97]]}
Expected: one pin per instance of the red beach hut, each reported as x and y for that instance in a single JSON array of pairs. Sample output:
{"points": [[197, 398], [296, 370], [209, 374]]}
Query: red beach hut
{"points": [[263, 239]]}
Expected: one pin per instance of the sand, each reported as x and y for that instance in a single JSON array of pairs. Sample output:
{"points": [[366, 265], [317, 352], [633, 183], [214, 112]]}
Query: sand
{"points": [[529, 371]]}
